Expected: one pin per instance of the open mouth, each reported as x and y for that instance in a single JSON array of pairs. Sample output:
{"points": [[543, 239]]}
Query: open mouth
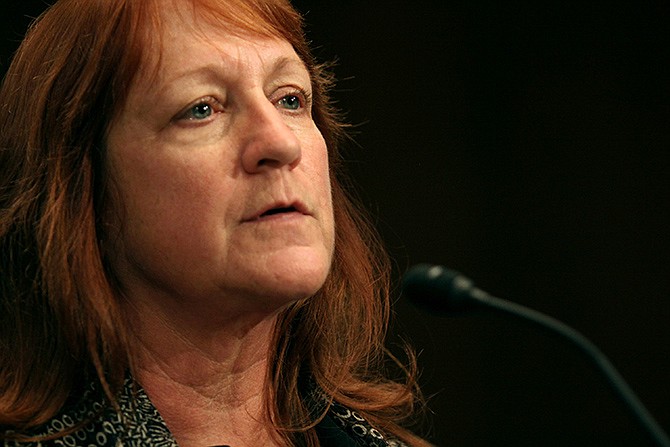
{"points": [[280, 210]]}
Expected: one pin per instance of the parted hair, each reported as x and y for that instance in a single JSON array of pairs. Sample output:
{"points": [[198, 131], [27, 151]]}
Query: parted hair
{"points": [[59, 302]]}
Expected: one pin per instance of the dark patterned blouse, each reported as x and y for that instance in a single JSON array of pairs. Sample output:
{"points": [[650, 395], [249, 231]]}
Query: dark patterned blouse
{"points": [[139, 424]]}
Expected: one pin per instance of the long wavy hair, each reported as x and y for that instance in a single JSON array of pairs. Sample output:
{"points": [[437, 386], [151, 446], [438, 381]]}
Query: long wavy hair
{"points": [[59, 308]]}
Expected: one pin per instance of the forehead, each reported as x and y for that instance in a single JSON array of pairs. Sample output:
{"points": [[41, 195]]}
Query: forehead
{"points": [[202, 36]]}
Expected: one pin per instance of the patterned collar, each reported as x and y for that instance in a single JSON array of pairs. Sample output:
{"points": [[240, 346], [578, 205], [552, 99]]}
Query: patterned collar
{"points": [[139, 424]]}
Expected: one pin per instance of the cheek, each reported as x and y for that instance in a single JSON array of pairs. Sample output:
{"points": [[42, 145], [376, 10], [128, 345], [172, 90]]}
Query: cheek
{"points": [[316, 163], [321, 182], [166, 204]]}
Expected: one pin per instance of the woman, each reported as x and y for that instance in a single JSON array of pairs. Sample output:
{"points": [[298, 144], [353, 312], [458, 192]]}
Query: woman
{"points": [[180, 263]]}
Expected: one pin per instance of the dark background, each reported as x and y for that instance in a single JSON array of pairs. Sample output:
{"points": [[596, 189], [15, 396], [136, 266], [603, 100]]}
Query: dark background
{"points": [[527, 145]]}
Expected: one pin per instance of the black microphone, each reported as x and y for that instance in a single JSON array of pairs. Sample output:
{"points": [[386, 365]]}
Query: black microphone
{"points": [[440, 289]]}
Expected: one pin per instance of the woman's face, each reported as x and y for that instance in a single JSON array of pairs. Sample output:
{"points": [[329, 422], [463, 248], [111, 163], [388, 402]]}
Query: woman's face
{"points": [[222, 175]]}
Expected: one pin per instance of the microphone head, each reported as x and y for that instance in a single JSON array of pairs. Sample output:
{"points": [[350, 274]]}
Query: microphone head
{"points": [[438, 289]]}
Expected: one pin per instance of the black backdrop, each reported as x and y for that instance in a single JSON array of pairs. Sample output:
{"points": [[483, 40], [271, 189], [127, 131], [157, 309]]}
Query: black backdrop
{"points": [[527, 145]]}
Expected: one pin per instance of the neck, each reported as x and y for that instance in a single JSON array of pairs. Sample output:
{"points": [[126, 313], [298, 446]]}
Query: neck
{"points": [[207, 382]]}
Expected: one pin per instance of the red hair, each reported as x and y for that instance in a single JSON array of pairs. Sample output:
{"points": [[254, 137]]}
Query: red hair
{"points": [[59, 310]]}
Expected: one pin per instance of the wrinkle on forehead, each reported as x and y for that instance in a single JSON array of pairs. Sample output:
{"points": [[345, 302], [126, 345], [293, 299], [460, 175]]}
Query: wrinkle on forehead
{"points": [[203, 20]]}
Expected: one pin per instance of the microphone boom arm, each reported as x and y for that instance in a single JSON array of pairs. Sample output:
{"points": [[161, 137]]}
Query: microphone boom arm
{"points": [[616, 381], [438, 288]]}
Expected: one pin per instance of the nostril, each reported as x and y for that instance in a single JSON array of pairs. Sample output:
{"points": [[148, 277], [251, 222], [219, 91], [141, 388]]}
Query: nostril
{"points": [[270, 162], [262, 154]]}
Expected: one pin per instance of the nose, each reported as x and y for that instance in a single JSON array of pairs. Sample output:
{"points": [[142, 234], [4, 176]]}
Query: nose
{"points": [[269, 142]]}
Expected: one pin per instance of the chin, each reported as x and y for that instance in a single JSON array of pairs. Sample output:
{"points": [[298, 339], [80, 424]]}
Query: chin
{"points": [[288, 282], [301, 283]]}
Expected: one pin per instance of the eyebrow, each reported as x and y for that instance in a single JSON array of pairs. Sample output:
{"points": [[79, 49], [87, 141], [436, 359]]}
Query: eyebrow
{"points": [[213, 71], [283, 62]]}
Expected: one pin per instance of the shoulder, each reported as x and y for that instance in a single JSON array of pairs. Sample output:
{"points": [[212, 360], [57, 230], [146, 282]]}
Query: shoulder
{"points": [[91, 420], [359, 429], [343, 427]]}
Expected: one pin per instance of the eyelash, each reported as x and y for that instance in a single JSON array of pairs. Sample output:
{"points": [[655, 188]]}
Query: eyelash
{"points": [[214, 106]]}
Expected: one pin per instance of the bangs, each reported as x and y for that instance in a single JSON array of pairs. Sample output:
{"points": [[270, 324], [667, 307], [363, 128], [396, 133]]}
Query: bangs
{"points": [[269, 18]]}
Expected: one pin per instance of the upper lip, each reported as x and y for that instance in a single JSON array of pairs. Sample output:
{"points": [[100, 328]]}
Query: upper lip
{"points": [[281, 206]]}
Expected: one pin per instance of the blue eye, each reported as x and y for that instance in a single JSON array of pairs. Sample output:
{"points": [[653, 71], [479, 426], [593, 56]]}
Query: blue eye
{"points": [[199, 112], [290, 102]]}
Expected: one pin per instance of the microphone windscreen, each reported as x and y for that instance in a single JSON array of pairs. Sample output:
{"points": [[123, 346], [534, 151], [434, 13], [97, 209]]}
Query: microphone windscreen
{"points": [[437, 288]]}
